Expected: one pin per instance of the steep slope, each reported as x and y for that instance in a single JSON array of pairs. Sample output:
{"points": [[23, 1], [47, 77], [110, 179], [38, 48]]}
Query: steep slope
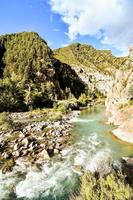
{"points": [[30, 76], [119, 102], [95, 67]]}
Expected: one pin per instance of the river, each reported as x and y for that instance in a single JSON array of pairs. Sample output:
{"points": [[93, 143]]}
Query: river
{"points": [[94, 148]]}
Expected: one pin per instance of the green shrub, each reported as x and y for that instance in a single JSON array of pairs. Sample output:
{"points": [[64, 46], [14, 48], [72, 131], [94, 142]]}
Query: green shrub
{"points": [[83, 99], [61, 106], [11, 98], [112, 187], [5, 121], [57, 115]]}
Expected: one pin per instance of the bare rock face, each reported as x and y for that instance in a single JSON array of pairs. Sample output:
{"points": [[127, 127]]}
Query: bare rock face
{"points": [[118, 100], [101, 81], [123, 80]]}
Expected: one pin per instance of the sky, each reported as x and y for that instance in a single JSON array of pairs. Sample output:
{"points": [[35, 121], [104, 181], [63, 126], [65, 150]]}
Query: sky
{"points": [[104, 24]]}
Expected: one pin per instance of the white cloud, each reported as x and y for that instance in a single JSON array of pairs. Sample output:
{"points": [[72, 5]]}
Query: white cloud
{"points": [[111, 21]]}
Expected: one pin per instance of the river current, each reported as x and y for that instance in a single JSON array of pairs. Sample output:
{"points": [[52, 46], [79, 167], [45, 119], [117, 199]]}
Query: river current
{"points": [[94, 148]]}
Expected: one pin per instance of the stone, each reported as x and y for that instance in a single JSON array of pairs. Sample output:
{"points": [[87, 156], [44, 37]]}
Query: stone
{"points": [[24, 152], [15, 147], [56, 151], [16, 154], [25, 142], [6, 155], [78, 169], [42, 156]]}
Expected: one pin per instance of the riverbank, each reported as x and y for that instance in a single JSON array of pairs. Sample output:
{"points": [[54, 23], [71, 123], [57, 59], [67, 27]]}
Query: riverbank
{"points": [[123, 118], [123, 135], [90, 148], [35, 137]]}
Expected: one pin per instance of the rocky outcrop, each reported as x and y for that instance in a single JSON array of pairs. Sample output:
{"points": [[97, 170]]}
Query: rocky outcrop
{"points": [[94, 80]]}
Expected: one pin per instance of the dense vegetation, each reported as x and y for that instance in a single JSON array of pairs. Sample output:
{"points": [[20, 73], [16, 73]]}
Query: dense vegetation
{"points": [[86, 55], [112, 187], [30, 77]]}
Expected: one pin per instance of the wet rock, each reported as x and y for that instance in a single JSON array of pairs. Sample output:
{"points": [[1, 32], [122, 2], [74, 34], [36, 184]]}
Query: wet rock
{"points": [[50, 151], [127, 169], [78, 169]]}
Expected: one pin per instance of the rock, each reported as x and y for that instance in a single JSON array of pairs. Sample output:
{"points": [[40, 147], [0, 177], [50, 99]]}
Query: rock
{"points": [[6, 155], [56, 151], [50, 151], [61, 140], [25, 142], [16, 154], [16, 146], [21, 134], [127, 169], [78, 169], [2, 145], [42, 157], [57, 146], [25, 152], [35, 127]]}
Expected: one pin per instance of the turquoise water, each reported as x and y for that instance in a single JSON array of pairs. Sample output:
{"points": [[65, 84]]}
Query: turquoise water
{"points": [[93, 146], [94, 121]]}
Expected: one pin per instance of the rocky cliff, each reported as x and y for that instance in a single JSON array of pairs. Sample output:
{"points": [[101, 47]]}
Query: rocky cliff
{"points": [[119, 102]]}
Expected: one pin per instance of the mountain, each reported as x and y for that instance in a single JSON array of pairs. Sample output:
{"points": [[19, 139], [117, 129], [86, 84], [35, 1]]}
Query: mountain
{"points": [[87, 56], [95, 67], [30, 76]]}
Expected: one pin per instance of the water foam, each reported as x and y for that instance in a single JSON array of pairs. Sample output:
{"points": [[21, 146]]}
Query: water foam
{"points": [[47, 182], [53, 177], [101, 162], [82, 120], [58, 178]]}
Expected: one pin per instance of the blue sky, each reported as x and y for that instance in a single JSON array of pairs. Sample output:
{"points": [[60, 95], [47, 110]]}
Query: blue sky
{"points": [[53, 21]]}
